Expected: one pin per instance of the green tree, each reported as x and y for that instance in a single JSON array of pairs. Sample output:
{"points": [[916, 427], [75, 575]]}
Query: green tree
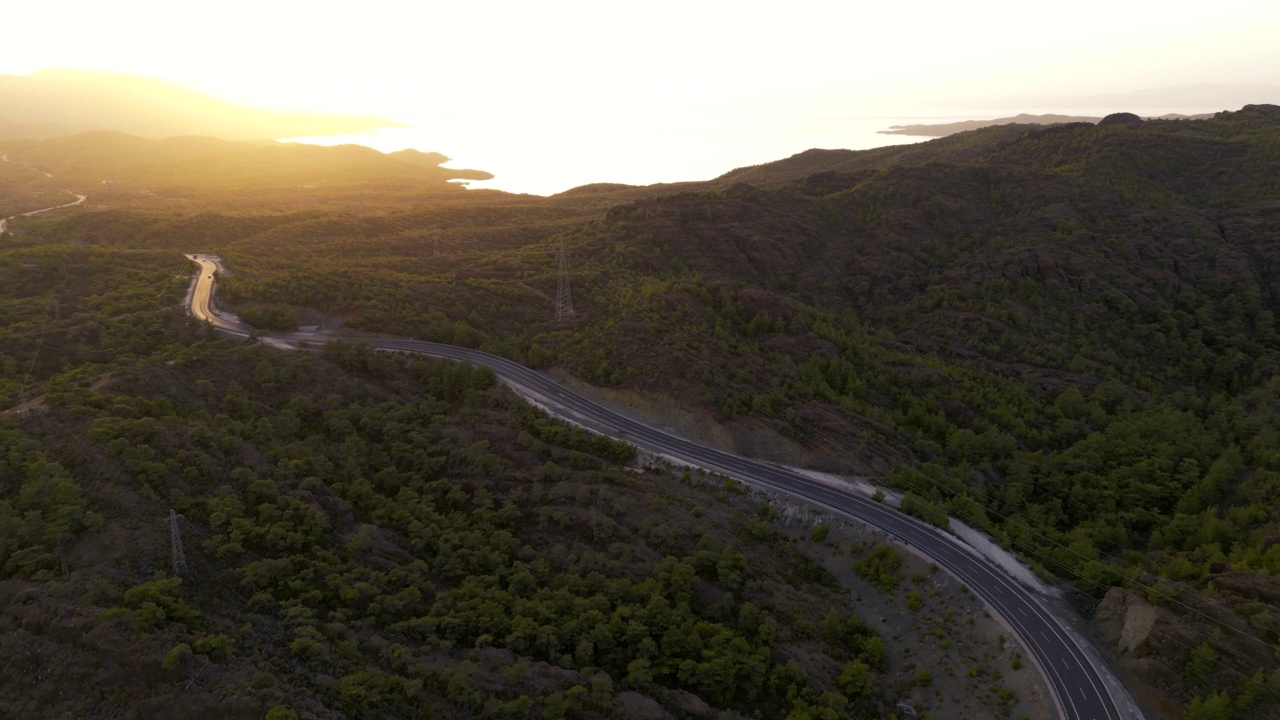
{"points": [[856, 680], [1215, 707]]}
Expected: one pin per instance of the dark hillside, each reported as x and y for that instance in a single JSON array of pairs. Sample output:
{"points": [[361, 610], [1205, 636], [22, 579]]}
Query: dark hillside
{"points": [[960, 147], [1073, 327], [369, 536], [88, 159]]}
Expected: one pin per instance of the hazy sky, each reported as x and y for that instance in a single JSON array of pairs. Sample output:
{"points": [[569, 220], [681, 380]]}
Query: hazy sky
{"points": [[567, 67]]}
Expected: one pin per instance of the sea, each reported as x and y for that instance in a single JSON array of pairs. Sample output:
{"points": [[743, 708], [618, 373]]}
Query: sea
{"points": [[538, 157]]}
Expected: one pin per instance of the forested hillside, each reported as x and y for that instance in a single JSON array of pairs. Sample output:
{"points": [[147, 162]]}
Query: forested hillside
{"points": [[189, 528], [368, 536], [1063, 335]]}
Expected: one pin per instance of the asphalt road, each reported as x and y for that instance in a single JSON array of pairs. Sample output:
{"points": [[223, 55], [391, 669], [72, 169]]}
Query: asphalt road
{"points": [[201, 299], [4, 222], [1080, 691]]}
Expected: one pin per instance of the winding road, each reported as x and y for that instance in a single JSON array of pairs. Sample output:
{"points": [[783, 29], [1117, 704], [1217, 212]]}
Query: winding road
{"points": [[1078, 679], [4, 222]]}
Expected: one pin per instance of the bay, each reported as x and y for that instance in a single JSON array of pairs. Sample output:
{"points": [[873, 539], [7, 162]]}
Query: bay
{"points": [[544, 156]]}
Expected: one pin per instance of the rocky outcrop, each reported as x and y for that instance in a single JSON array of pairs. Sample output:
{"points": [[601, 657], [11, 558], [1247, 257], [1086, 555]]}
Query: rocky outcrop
{"points": [[1126, 620], [691, 704], [634, 706]]}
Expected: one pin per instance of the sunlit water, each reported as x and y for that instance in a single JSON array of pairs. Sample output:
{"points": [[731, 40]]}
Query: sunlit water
{"points": [[528, 155]]}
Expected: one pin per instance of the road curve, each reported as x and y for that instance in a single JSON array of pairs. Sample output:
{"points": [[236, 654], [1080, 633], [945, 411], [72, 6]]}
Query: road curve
{"points": [[4, 222], [1079, 689], [200, 299]]}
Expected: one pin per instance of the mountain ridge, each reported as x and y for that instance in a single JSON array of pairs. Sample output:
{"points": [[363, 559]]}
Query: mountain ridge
{"points": [[51, 103], [944, 129]]}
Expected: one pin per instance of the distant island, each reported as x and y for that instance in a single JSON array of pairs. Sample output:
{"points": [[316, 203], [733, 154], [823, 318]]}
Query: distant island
{"points": [[945, 129]]}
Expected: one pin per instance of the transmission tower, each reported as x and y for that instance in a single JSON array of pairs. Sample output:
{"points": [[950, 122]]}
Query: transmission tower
{"points": [[179, 557], [564, 300]]}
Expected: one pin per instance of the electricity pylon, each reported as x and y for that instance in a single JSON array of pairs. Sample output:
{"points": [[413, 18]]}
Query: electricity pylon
{"points": [[564, 299], [179, 557]]}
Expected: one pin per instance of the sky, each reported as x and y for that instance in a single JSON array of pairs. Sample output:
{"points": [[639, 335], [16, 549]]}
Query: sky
{"points": [[573, 75]]}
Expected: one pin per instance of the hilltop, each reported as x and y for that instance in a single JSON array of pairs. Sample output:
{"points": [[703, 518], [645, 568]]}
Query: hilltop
{"points": [[951, 128]]}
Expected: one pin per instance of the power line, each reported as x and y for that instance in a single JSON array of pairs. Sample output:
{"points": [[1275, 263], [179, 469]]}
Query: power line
{"points": [[22, 391], [1213, 641], [175, 544], [825, 439], [508, 253]]}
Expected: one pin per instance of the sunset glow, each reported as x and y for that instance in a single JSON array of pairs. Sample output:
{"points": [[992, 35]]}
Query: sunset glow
{"points": [[582, 74]]}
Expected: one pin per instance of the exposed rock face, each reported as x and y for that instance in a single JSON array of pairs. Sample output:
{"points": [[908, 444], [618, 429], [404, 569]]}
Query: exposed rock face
{"points": [[1139, 619], [1129, 627], [1151, 645], [1120, 119], [691, 704], [1125, 619], [1247, 586], [634, 706]]}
